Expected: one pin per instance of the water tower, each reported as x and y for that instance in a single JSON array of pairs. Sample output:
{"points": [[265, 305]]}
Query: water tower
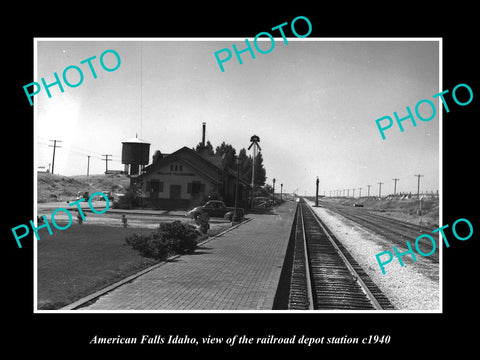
{"points": [[135, 153]]}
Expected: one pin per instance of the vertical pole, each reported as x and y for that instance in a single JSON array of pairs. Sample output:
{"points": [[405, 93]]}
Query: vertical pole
{"points": [[88, 165], [235, 213], [53, 160], [380, 189], [253, 170], [54, 147], [273, 193], [316, 193], [395, 186], [418, 186], [281, 191], [369, 186], [106, 162]]}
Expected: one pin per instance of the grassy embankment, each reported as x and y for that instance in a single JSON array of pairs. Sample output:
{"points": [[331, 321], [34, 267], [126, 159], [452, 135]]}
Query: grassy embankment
{"points": [[400, 209]]}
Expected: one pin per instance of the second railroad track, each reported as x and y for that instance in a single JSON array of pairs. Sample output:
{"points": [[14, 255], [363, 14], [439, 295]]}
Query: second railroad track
{"points": [[319, 273]]}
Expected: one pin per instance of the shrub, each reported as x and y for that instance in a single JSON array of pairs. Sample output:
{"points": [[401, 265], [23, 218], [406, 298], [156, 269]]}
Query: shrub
{"points": [[148, 245], [182, 238], [169, 238]]}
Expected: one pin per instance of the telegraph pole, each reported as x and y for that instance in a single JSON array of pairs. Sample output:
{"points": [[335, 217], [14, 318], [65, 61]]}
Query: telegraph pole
{"points": [[273, 193], [106, 162], [254, 142], [316, 193], [395, 186], [54, 147], [88, 165], [369, 186], [418, 187], [360, 190], [380, 189], [353, 192], [281, 191]]}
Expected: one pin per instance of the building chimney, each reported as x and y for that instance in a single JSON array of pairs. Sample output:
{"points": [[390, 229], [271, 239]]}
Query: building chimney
{"points": [[203, 133]]}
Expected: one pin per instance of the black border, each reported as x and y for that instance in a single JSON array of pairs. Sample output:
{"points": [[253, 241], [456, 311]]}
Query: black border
{"points": [[411, 333]]}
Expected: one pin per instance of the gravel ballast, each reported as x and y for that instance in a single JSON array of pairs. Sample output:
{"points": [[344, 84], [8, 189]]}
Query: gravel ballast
{"points": [[415, 286]]}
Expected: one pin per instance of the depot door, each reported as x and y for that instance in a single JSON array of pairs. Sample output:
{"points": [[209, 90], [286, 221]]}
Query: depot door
{"points": [[175, 191]]}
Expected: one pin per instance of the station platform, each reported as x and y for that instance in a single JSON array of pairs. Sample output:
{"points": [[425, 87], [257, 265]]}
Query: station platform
{"points": [[239, 270]]}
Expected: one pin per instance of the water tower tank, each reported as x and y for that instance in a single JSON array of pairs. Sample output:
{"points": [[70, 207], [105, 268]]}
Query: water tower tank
{"points": [[135, 153]]}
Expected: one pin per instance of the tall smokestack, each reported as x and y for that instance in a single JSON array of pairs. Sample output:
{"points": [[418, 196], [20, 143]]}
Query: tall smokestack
{"points": [[203, 133]]}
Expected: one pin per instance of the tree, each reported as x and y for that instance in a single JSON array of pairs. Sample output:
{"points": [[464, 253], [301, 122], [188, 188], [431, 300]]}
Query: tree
{"points": [[260, 172], [157, 156], [206, 149], [227, 152], [246, 168]]}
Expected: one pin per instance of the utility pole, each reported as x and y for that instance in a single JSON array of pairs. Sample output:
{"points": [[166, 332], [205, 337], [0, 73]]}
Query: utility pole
{"points": [[418, 188], [369, 186], [88, 165], [395, 186], [353, 192], [348, 192], [273, 192], [281, 191], [106, 162], [254, 142], [380, 189], [360, 190], [235, 212], [316, 193], [54, 147]]}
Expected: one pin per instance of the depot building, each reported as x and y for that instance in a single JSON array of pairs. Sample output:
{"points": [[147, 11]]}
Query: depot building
{"points": [[185, 179]]}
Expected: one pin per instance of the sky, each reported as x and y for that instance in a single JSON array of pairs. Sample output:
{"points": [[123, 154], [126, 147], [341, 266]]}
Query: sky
{"points": [[313, 102]]}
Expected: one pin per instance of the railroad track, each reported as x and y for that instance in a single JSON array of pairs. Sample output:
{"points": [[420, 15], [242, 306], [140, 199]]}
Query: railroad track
{"points": [[322, 275], [398, 232]]}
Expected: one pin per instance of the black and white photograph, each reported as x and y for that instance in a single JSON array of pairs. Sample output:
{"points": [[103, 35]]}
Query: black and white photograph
{"points": [[241, 185], [254, 188]]}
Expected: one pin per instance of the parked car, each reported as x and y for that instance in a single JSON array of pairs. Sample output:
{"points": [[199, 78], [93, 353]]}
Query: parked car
{"points": [[214, 208], [262, 202]]}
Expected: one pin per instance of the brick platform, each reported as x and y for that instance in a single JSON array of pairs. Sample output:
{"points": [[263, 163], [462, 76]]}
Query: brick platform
{"points": [[237, 271]]}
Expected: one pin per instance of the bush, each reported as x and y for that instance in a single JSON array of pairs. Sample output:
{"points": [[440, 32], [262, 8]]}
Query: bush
{"points": [[170, 238], [182, 238], [148, 245]]}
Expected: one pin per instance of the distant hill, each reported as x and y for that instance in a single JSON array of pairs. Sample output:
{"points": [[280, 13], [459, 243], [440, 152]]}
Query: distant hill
{"points": [[62, 188]]}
